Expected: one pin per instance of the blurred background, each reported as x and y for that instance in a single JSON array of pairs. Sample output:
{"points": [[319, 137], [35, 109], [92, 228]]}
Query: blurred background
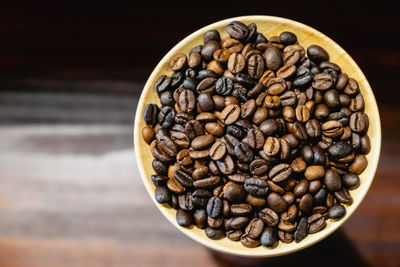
{"points": [[70, 77]]}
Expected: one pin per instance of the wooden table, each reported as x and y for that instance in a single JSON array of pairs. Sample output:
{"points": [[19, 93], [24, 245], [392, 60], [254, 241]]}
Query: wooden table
{"points": [[71, 195]]}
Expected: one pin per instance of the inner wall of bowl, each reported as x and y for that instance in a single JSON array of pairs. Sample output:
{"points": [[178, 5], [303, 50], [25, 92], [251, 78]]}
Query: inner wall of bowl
{"points": [[269, 26]]}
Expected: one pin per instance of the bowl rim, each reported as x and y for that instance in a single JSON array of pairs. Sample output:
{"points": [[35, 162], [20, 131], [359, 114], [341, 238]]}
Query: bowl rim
{"points": [[267, 252]]}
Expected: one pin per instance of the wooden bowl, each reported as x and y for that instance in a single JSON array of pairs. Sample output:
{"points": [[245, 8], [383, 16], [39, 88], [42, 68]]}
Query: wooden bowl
{"points": [[269, 26]]}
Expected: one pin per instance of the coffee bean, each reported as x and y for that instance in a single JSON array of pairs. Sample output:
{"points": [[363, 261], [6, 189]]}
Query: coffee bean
{"points": [[232, 45], [206, 85], [166, 117], [273, 58], [352, 87], [269, 237], [254, 138], [359, 164], [269, 127], [184, 218], [206, 102], [241, 209], [178, 62], [208, 50], [303, 77], [200, 197], [217, 150], [255, 186], [239, 222], [302, 113], [234, 235], [313, 128], [150, 114], [207, 182], [214, 128], [243, 152], [236, 63], [214, 207], [271, 146], [322, 81], [280, 172], [343, 196], [351, 181], [234, 192], [249, 242], [200, 218], [332, 128], [276, 202], [185, 201], [258, 167], [317, 53], [287, 38], [286, 71], [332, 180], [359, 122], [237, 30], [365, 144], [248, 108], [162, 84], [214, 234], [255, 66], [184, 179], [314, 172], [203, 141], [331, 98], [276, 86], [339, 149], [162, 194], [254, 228], [316, 223], [336, 212], [269, 217]]}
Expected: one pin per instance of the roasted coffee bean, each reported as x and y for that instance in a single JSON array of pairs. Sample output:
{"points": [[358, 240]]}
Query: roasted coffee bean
{"points": [[352, 87], [298, 165], [234, 192], [302, 230], [332, 180], [236, 63], [227, 165], [269, 127], [239, 222], [206, 85], [258, 167], [287, 38], [241, 209], [339, 149], [167, 99], [230, 114], [214, 207], [206, 102], [207, 182], [202, 141], [248, 108], [302, 113], [359, 164], [243, 152], [185, 201], [331, 98], [280, 172], [178, 62], [148, 134], [254, 138], [322, 81], [217, 150], [193, 128], [269, 217], [166, 117], [254, 228], [365, 144], [184, 218], [237, 30], [150, 114], [163, 82], [234, 235], [159, 180], [321, 111], [249, 242], [215, 223], [276, 86], [276, 202], [255, 186], [359, 122], [299, 131], [235, 131], [162, 194], [314, 172], [313, 128], [343, 196], [273, 58], [339, 116], [255, 66], [303, 77], [317, 54], [269, 237], [316, 223], [200, 218], [286, 71], [271, 146], [214, 234], [336, 212], [351, 181], [214, 128], [200, 197], [208, 50], [332, 128], [211, 35], [233, 45], [184, 179]]}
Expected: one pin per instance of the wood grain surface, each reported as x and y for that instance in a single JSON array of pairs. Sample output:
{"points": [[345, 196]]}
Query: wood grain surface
{"points": [[70, 194]]}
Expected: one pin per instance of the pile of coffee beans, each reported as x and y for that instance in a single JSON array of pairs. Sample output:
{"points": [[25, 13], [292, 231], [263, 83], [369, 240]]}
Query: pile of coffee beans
{"points": [[256, 139]]}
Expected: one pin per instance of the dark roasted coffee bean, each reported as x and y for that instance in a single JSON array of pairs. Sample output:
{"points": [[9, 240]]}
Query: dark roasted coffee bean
{"points": [[254, 228], [208, 49], [336, 212], [162, 194], [245, 80], [218, 150], [202, 141], [211, 35], [237, 30], [184, 218], [269, 237], [255, 186], [200, 218], [339, 149], [332, 128], [166, 117], [332, 180], [214, 207], [215, 223], [214, 234], [207, 182], [359, 122], [244, 152], [235, 131], [280, 172], [162, 84], [303, 77], [234, 192], [299, 131], [159, 167], [184, 179], [200, 197], [351, 181], [331, 98], [150, 114], [224, 86], [365, 144], [352, 87], [269, 127], [185, 201], [313, 128], [206, 102], [248, 108], [254, 138], [255, 66], [317, 54], [288, 38], [239, 222], [234, 235], [302, 230]]}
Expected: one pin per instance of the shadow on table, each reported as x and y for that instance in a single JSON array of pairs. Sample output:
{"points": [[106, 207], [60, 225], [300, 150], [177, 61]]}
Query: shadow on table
{"points": [[335, 250]]}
